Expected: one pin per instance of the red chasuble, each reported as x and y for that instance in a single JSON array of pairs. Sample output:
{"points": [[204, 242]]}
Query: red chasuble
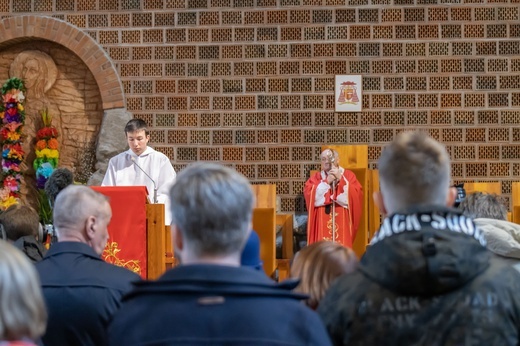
{"points": [[347, 198]]}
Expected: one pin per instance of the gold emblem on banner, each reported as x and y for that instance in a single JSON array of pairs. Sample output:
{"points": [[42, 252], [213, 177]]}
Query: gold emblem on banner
{"points": [[110, 256]]}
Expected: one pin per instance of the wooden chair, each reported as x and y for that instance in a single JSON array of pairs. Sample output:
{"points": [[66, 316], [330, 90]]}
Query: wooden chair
{"points": [[264, 223], [285, 220], [515, 202], [265, 220]]}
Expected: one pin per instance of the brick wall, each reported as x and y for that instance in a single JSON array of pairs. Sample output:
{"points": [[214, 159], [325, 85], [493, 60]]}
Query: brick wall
{"points": [[250, 83]]}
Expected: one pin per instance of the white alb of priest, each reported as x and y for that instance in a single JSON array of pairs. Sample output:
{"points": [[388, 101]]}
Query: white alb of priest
{"points": [[142, 165]]}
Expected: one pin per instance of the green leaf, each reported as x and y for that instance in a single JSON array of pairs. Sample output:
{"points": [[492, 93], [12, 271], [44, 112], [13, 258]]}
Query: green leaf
{"points": [[45, 209]]}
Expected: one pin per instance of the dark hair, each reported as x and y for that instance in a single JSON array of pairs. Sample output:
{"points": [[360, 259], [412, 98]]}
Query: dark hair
{"points": [[136, 125], [484, 205], [19, 221], [59, 179]]}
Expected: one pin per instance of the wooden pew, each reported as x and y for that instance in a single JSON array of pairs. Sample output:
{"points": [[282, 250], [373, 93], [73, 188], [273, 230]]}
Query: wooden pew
{"points": [[482, 187], [515, 202], [285, 220], [265, 220], [264, 223]]}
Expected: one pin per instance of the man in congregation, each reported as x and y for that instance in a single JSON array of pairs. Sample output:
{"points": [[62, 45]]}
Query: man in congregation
{"points": [[490, 215], [427, 278], [142, 165], [334, 199], [19, 225], [81, 291], [210, 298]]}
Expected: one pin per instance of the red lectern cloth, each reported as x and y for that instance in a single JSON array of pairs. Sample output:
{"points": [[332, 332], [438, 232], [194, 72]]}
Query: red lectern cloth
{"points": [[127, 244]]}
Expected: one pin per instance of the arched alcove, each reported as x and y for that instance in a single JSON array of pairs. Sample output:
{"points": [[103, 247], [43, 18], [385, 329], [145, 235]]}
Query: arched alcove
{"points": [[86, 99], [31, 27]]}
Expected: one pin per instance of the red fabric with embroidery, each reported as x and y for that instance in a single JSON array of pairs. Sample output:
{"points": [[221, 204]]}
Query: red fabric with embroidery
{"points": [[127, 227], [319, 226]]}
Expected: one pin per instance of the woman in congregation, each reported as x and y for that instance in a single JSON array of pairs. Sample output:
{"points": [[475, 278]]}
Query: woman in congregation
{"points": [[23, 317], [318, 265]]}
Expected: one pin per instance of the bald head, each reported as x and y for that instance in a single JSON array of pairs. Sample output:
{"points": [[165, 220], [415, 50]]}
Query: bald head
{"points": [[82, 214]]}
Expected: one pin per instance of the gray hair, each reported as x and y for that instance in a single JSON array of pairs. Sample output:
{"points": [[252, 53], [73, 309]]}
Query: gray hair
{"points": [[328, 152], [414, 169], [75, 204], [22, 310], [212, 207], [484, 205]]}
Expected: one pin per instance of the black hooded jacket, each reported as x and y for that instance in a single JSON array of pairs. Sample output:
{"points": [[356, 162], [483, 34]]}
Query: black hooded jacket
{"points": [[427, 279]]}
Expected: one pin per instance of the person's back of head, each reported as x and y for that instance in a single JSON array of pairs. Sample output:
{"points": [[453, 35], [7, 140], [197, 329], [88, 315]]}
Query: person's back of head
{"points": [[82, 214], [59, 179], [414, 169], [19, 221], [479, 205], [212, 208], [22, 310], [318, 265]]}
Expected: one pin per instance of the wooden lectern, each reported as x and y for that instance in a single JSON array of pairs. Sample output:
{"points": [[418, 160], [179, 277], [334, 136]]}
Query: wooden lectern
{"points": [[138, 238]]}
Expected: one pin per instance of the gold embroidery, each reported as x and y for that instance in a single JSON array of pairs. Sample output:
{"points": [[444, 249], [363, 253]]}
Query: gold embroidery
{"points": [[334, 236], [110, 256]]}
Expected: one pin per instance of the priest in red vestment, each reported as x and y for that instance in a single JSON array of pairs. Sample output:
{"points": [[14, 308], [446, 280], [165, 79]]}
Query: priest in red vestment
{"points": [[334, 199]]}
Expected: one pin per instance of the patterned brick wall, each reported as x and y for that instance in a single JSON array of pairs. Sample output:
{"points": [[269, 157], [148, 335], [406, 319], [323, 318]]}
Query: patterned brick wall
{"points": [[250, 82]]}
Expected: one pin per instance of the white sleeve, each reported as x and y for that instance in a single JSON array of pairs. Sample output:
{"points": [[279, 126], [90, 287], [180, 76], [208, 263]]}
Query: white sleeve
{"points": [[342, 198], [110, 175], [166, 179], [321, 191]]}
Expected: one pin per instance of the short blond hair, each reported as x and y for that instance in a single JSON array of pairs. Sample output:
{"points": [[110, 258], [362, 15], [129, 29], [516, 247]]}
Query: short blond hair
{"points": [[22, 310], [414, 169], [318, 265]]}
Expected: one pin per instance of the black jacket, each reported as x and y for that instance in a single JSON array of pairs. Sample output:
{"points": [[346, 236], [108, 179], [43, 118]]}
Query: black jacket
{"points": [[426, 280], [215, 305], [32, 248], [81, 292]]}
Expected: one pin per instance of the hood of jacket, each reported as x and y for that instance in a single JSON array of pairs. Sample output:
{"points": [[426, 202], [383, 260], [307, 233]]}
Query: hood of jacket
{"points": [[31, 247], [502, 237], [217, 279], [426, 251]]}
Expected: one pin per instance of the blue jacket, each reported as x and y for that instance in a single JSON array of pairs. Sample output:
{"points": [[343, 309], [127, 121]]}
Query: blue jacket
{"points": [[81, 292], [217, 305]]}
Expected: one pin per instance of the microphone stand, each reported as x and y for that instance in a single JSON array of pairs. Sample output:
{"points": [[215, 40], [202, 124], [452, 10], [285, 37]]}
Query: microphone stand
{"points": [[155, 201]]}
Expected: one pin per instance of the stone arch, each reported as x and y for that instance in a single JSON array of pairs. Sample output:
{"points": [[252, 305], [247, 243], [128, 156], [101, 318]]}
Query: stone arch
{"points": [[111, 139], [29, 27]]}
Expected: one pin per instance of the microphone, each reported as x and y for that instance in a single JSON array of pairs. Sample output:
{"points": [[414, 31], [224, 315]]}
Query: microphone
{"points": [[153, 181]]}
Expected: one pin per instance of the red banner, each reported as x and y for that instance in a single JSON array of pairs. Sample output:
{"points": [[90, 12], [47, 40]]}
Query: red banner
{"points": [[126, 246]]}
